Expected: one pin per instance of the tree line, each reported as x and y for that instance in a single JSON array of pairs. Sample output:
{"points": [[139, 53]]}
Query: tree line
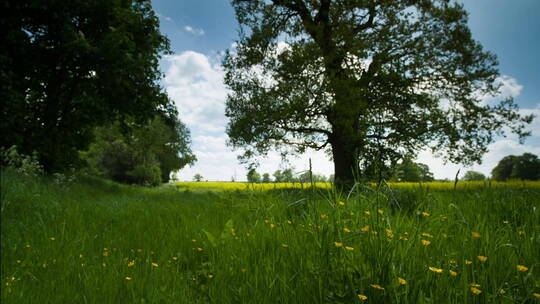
{"points": [[80, 90]]}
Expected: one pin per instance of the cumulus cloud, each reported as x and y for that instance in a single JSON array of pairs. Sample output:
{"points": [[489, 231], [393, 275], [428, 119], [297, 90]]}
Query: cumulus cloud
{"points": [[193, 30]]}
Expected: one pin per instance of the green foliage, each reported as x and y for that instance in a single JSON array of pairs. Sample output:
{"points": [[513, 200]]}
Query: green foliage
{"points": [[526, 167], [24, 164], [409, 171], [198, 178], [473, 176], [253, 176], [70, 66], [266, 178], [368, 81], [144, 154]]}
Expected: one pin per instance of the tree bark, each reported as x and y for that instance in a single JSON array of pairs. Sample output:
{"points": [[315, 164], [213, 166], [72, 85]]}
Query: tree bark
{"points": [[345, 155]]}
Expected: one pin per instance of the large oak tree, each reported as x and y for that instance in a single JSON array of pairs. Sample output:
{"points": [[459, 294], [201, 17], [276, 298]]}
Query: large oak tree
{"points": [[69, 66], [368, 80]]}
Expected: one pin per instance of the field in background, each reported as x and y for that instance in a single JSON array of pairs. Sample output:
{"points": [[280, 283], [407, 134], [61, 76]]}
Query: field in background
{"points": [[94, 241], [461, 185]]}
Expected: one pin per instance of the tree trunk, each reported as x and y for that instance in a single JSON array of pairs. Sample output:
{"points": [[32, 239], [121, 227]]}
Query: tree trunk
{"points": [[345, 157]]}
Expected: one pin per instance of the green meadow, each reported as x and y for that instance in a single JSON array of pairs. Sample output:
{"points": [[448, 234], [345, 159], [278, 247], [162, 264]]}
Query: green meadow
{"points": [[95, 241]]}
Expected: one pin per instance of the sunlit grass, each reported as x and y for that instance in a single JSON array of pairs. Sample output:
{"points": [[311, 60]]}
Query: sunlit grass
{"points": [[98, 242]]}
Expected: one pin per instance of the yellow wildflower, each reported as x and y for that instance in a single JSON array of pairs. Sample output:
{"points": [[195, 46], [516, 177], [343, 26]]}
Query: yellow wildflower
{"points": [[175, 258], [476, 291], [425, 214], [522, 268], [199, 249], [374, 232], [425, 242], [105, 253], [468, 262], [365, 228], [129, 278], [272, 226], [475, 235], [131, 264], [521, 232], [444, 218], [284, 245], [380, 211], [28, 246], [341, 204], [482, 258], [210, 276], [437, 270], [452, 273], [338, 244], [425, 234], [377, 286], [289, 222], [154, 265], [536, 295], [346, 230], [81, 256], [367, 212], [349, 248], [104, 265], [402, 281], [362, 297], [52, 238], [474, 285], [502, 291], [323, 216]]}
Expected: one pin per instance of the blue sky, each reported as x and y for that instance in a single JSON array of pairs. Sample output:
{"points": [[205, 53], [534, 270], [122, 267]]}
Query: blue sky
{"points": [[201, 30]]}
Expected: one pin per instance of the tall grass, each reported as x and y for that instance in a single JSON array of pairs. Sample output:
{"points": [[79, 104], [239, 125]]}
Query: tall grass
{"points": [[92, 241]]}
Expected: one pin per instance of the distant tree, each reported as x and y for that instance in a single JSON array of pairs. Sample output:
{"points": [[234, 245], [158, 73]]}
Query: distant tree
{"points": [[306, 177], [278, 176], [68, 66], [409, 171], [526, 167], [253, 176], [367, 81], [197, 177], [266, 178], [145, 154], [473, 176], [288, 175]]}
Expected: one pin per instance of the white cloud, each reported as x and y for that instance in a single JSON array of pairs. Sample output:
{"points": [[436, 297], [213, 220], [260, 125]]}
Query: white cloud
{"points": [[508, 87], [193, 30]]}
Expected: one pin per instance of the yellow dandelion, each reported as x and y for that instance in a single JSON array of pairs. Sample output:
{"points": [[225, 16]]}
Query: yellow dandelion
{"points": [[131, 264], [365, 228], [452, 273], [210, 276], [402, 281], [521, 232], [425, 214], [482, 258], [425, 234], [28, 246], [267, 221], [104, 265], [367, 212], [506, 222], [272, 226], [175, 258], [444, 218], [105, 253], [502, 291], [52, 238], [362, 297], [476, 235], [522, 268], [374, 232], [380, 211], [474, 285], [289, 222], [349, 248], [476, 291], [19, 261], [347, 230], [436, 270], [536, 295], [323, 216], [351, 214], [284, 245], [129, 278], [338, 244], [199, 249], [155, 265], [341, 204], [377, 286], [468, 262], [426, 242]]}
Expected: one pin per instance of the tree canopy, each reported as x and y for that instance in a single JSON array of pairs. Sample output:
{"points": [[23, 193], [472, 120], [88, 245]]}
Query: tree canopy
{"points": [[473, 176], [526, 167], [367, 81], [409, 171], [69, 66]]}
